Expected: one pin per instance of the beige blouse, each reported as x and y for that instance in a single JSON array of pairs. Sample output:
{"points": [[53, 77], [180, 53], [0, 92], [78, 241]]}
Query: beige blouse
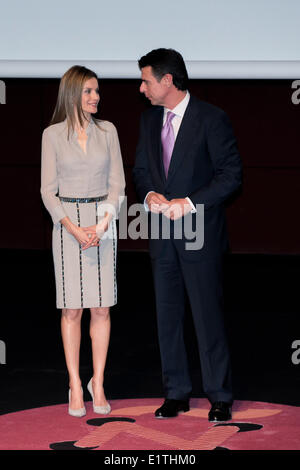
{"points": [[70, 172]]}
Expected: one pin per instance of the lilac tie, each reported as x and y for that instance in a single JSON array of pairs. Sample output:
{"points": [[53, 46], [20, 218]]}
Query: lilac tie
{"points": [[167, 140]]}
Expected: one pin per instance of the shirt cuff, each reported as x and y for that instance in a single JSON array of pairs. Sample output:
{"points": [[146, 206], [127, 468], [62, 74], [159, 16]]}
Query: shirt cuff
{"points": [[194, 210], [58, 214], [145, 203]]}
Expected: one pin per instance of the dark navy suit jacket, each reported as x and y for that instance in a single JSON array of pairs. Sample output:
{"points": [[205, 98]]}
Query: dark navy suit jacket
{"points": [[205, 166]]}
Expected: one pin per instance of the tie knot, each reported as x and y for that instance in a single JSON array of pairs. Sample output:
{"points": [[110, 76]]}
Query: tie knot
{"points": [[170, 116]]}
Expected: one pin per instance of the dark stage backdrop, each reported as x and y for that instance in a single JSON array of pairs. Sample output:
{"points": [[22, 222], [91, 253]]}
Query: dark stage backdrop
{"points": [[263, 218]]}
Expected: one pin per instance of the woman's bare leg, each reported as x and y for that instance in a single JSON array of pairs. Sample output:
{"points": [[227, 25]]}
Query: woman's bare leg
{"points": [[71, 336], [100, 334]]}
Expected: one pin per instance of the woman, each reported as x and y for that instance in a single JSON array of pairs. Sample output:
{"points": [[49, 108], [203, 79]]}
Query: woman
{"points": [[82, 185]]}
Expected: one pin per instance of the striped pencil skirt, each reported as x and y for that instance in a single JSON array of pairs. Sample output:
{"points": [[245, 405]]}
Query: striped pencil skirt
{"points": [[84, 278]]}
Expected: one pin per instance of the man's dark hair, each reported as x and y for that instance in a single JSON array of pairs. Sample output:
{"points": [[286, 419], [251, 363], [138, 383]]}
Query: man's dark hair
{"points": [[165, 61]]}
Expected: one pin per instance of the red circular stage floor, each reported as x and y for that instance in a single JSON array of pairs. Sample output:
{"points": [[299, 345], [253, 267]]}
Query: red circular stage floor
{"points": [[131, 426]]}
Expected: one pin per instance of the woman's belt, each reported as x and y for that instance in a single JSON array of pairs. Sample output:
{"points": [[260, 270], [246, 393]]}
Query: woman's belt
{"points": [[82, 199]]}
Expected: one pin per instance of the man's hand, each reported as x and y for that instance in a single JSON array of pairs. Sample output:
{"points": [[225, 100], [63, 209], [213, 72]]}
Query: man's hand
{"points": [[157, 203], [177, 208]]}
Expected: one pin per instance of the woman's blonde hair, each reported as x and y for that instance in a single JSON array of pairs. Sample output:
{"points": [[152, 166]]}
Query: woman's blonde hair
{"points": [[70, 96]]}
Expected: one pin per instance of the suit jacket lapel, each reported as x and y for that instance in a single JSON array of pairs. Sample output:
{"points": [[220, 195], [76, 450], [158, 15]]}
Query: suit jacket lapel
{"points": [[156, 143], [186, 134]]}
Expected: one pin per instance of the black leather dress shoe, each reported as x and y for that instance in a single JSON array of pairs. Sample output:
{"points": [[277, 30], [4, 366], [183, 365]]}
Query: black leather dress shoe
{"points": [[171, 408], [219, 412]]}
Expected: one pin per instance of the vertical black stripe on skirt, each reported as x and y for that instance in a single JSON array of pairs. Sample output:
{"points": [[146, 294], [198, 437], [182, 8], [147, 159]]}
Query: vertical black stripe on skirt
{"points": [[80, 256], [62, 263], [98, 257], [114, 237]]}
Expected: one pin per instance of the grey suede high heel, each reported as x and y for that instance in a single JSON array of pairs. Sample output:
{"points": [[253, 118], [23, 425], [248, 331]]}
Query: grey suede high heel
{"points": [[79, 413], [102, 410]]}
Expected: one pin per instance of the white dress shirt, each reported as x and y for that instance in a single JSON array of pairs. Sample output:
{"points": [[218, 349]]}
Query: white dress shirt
{"points": [[179, 111]]}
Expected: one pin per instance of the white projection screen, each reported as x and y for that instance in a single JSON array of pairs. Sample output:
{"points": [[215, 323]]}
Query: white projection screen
{"points": [[217, 38]]}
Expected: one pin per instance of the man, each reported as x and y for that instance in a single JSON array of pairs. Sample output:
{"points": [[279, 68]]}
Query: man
{"points": [[186, 158]]}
